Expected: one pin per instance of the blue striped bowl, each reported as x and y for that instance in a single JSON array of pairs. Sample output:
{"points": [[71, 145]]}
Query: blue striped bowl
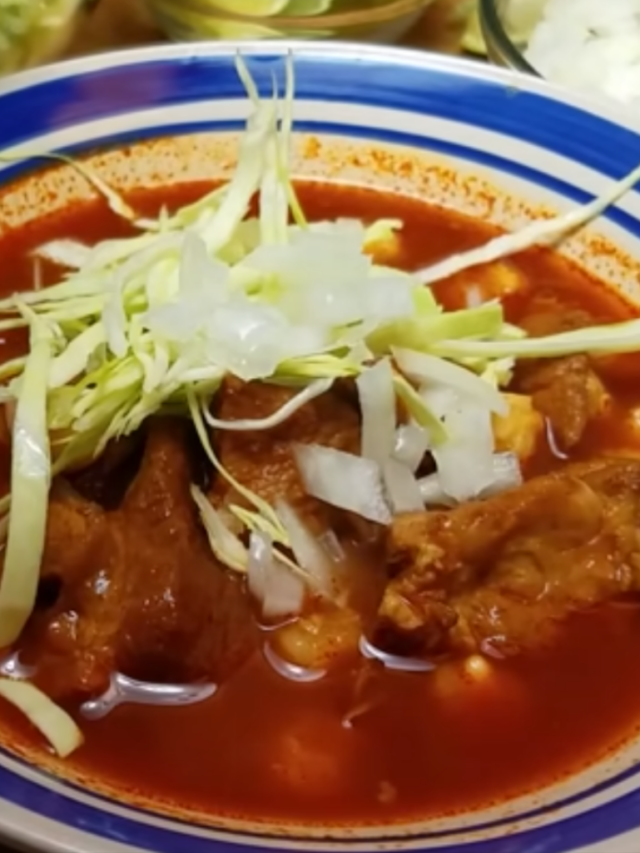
{"points": [[480, 139]]}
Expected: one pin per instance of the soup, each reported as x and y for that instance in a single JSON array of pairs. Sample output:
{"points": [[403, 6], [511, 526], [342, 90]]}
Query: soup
{"points": [[354, 658]]}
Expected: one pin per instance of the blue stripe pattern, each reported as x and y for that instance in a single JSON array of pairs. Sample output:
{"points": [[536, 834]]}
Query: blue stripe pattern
{"points": [[460, 92]]}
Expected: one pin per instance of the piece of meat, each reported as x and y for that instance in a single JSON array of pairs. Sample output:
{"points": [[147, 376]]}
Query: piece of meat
{"points": [[140, 591], [566, 390], [506, 571], [263, 460]]}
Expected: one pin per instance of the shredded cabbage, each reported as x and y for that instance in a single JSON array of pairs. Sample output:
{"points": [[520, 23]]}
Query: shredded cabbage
{"points": [[54, 723], [30, 480]]}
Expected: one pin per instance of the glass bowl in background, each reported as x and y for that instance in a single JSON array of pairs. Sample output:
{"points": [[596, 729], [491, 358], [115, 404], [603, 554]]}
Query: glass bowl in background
{"points": [[35, 31], [584, 45], [364, 20], [506, 27]]}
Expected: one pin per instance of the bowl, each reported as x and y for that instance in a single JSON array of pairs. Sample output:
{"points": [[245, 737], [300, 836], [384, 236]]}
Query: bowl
{"points": [[472, 137], [589, 48], [506, 39], [367, 20], [34, 32]]}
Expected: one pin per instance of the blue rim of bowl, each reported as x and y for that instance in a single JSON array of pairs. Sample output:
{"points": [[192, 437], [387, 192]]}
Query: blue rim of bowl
{"points": [[404, 80], [493, 31]]}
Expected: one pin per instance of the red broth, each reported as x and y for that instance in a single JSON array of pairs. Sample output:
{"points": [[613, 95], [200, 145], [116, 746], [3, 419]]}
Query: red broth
{"points": [[432, 744]]}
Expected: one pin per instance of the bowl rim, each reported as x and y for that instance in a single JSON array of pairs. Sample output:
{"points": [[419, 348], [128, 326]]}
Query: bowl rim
{"points": [[380, 15], [494, 31], [395, 59]]}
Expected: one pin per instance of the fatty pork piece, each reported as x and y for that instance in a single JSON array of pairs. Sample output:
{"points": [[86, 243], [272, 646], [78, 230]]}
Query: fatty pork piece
{"points": [[503, 573], [138, 588], [567, 390], [263, 460]]}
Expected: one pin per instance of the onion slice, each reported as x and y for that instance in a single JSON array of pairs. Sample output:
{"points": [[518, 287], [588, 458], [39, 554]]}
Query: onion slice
{"points": [[402, 487], [343, 480], [506, 475], [378, 409], [424, 368], [410, 446], [279, 591], [55, 724], [307, 550]]}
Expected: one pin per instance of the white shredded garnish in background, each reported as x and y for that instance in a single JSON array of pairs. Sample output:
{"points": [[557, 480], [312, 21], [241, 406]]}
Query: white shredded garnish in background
{"points": [[54, 723], [591, 46]]}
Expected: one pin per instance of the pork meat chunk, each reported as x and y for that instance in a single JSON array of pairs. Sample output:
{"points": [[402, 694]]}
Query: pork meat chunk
{"points": [[568, 391], [139, 590], [505, 572]]}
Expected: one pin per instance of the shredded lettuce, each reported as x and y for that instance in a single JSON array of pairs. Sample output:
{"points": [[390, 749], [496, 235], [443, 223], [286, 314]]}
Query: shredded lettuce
{"points": [[30, 481], [597, 340], [224, 543], [55, 724], [543, 232]]}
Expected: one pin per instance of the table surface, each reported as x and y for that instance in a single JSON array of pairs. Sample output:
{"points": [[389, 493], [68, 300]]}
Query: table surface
{"points": [[124, 23]]}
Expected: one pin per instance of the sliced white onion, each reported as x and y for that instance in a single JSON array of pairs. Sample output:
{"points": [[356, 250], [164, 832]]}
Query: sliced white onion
{"points": [[307, 550], [465, 460], [402, 487], [123, 690], [423, 368], [65, 253], [378, 409], [55, 724], [278, 590], [343, 480], [410, 446], [432, 492], [395, 662], [331, 544], [291, 671], [506, 475]]}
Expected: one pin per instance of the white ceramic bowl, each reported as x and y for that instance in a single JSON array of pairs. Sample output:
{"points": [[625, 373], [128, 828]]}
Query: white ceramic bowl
{"points": [[453, 132]]}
